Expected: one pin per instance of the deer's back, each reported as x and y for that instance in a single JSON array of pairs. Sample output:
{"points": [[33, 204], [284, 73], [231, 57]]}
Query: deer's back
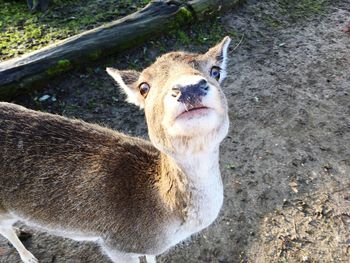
{"points": [[76, 173]]}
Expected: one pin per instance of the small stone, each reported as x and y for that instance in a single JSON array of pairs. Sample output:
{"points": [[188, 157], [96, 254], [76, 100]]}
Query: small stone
{"points": [[294, 186], [306, 259], [44, 97]]}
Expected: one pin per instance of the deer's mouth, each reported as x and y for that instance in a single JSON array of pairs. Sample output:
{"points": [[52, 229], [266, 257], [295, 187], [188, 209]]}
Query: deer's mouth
{"points": [[194, 112]]}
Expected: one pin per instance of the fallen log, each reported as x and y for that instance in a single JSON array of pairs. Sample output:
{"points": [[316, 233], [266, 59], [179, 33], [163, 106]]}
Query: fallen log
{"points": [[34, 69]]}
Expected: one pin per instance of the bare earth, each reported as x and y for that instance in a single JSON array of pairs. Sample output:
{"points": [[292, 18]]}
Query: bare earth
{"points": [[286, 160]]}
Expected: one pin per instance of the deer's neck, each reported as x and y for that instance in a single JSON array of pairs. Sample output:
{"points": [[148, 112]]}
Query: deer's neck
{"points": [[191, 186]]}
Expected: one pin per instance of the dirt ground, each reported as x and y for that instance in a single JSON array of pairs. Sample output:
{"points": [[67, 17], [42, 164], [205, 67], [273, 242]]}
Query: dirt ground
{"points": [[286, 160]]}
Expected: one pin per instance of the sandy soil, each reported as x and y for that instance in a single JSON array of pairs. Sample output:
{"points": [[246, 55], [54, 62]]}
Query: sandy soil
{"points": [[286, 160]]}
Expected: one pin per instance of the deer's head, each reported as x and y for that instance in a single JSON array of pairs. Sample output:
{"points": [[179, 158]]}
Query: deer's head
{"points": [[185, 107]]}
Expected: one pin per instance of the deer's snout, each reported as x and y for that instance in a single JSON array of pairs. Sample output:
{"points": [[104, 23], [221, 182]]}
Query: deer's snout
{"points": [[191, 94]]}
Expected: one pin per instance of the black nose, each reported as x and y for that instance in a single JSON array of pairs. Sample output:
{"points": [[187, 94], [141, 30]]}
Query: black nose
{"points": [[191, 93]]}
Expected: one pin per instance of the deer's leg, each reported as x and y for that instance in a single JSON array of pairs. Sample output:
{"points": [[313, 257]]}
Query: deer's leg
{"points": [[9, 233], [151, 259], [119, 257]]}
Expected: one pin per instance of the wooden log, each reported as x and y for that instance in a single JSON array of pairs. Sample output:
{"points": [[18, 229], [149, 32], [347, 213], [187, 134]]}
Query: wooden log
{"points": [[33, 70]]}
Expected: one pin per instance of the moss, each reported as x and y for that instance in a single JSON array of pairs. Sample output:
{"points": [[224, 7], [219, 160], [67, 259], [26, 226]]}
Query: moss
{"points": [[95, 55], [61, 66], [182, 17], [184, 38]]}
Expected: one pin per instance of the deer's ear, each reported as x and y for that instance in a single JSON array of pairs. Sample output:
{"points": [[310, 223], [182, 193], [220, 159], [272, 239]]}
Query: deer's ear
{"points": [[219, 54], [127, 80]]}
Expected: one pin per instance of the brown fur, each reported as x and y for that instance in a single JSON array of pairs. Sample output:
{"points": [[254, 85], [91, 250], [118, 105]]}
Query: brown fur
{"points": [[77, 173]]}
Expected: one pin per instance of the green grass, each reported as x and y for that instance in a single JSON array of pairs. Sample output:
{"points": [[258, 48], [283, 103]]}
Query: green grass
{"points": [[204, 34], [301, 9], [22, 31], [284, 12]]}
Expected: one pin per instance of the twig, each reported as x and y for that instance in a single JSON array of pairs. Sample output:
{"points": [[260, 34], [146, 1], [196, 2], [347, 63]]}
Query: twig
{"points": [[239, 43]]}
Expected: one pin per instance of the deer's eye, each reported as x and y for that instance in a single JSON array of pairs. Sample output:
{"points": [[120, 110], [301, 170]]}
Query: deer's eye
{"points": [[144, 89], [215, 72]]}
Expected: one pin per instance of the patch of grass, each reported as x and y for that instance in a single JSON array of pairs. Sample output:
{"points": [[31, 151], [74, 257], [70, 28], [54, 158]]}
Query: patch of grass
{"points": [[203, 34], [230, 166], [284, 12], [183, 37], [271, 21], [22, 31], [283, 260], [92, 104], [296, 10]]}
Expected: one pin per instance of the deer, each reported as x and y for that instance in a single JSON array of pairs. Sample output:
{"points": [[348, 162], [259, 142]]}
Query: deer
{"points": [[133, 197]]}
